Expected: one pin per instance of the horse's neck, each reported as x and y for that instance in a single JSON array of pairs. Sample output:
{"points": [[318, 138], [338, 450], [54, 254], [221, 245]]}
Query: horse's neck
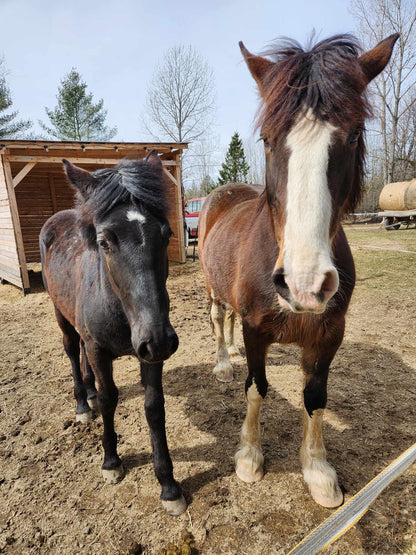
{"points": [[261, 246], [267, 218]]}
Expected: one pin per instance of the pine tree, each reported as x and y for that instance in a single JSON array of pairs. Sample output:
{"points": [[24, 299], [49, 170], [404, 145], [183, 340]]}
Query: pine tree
{"points": [[235, 167], [76, 117], [10, 128]]}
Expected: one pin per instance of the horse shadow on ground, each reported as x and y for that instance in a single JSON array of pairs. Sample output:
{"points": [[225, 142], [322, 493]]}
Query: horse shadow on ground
{"points": [[371, 392]]}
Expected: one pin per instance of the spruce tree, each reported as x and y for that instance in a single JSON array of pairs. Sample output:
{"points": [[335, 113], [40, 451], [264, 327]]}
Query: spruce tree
{"points": [[235, 167], [10, 128], [76, 117]]}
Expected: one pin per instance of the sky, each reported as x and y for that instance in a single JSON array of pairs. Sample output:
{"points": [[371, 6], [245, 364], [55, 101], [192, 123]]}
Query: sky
{"points": [[116, 46]]}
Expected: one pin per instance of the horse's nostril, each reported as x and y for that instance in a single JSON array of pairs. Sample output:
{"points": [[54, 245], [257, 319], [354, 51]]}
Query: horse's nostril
{"points": [[174, 343], [144, 351], [279, 280], [329, 286], [331, 282]]}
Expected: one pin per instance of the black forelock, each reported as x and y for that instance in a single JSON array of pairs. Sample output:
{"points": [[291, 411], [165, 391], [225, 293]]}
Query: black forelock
{"points": [[135, 182]]}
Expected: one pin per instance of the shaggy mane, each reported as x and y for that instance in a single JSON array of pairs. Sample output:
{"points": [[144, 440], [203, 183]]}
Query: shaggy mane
{"points": [[134, 182]]}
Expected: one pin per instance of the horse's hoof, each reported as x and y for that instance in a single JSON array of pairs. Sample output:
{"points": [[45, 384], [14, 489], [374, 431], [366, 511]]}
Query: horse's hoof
{"points": [[249, 464], [331, 500], [323, 484], [114, 475], [93, 404], [84, 417], [176, 507], [224, 372]]}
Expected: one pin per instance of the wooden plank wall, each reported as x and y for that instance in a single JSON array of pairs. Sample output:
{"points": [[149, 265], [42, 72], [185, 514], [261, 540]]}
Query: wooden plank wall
{"points": [[175, 249], [9, 259], [40, 194]]}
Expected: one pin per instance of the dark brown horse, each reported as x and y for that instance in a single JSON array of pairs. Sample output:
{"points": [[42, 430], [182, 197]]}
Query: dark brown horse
{"points": [[280, 259], [105, 267]]}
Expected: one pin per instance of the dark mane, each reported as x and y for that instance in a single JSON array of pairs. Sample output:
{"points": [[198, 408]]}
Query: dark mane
{"points": [[326, 79], [135, 182]]}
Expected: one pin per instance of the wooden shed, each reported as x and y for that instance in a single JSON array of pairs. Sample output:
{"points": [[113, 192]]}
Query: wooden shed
{"points": [[33, 186]]}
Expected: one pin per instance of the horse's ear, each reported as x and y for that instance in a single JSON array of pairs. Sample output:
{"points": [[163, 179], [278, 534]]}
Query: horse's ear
{"points": [[81, 179], [257, 65], [153, 159], [375, 60]]}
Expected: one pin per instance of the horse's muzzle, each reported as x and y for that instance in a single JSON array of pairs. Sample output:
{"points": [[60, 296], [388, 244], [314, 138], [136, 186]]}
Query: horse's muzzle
{"points": [[314, 300], [157, 347]]}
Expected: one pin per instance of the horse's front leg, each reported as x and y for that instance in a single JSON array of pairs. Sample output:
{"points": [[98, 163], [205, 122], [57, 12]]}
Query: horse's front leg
{"points": [[88, 379], [71, 341], [320, 476], [102, 365], [172, 498], [249, 458]]}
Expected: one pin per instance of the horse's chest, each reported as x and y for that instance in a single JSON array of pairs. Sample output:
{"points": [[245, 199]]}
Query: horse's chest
{"points": [[108, 327]]}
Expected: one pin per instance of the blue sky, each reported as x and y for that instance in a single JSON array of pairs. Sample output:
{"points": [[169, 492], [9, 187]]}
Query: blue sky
{"points": [[115, 46]]}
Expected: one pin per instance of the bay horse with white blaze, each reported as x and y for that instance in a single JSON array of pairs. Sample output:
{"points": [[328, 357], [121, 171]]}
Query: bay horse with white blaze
{"points": [[280, 259], [105, 267]]}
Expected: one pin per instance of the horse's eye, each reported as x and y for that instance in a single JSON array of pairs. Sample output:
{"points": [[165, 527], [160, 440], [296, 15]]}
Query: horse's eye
{"points": [[167, 232], [355, 136], [103, 244], [266, 143]]}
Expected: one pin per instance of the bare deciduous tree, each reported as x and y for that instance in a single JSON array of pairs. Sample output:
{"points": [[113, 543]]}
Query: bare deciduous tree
{"points": [[180, 99], [254, 152], [395, 87], [202, 160]]}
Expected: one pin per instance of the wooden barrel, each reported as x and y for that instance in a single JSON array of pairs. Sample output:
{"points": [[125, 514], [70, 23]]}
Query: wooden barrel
{"points": [[398, 196]]}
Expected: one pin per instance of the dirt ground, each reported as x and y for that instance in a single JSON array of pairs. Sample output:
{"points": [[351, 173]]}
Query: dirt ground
{"points": [[52, 497]]}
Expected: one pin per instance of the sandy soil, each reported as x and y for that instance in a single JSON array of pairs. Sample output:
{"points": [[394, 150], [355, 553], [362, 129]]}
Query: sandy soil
{"points": [[52, 497]]}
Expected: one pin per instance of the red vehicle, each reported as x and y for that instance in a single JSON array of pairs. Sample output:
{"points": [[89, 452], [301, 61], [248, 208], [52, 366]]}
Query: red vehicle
{"points": [[192, 209]]}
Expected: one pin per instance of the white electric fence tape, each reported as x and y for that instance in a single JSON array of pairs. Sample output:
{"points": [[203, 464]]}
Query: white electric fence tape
{"points": [[347, 515]]}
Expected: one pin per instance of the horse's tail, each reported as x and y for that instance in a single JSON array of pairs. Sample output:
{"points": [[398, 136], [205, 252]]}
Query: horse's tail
{"points": [[45, 240]]}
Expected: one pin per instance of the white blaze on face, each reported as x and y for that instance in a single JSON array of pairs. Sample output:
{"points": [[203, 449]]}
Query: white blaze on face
{"points": [[135, 215], [307, 250]]}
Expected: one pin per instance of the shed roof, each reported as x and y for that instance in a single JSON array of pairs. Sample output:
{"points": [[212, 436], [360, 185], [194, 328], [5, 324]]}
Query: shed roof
{"points": [[84, 151]]}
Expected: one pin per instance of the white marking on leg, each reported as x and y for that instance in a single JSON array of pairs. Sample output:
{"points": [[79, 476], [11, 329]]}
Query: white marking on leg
{"points": [[249, 458], [176, 507], [93, 404], [229, 322], [135, 215], [307, 248], [223, 369], [114, 475], [317, 472], [84, 417]]}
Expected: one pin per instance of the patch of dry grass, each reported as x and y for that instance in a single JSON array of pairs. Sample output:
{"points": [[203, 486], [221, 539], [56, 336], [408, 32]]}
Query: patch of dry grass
{"points": [[374, 235]]}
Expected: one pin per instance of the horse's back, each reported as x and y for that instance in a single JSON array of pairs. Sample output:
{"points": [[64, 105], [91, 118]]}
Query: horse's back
{"points": [[60, 247], [222, 200], [55, 226]]}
